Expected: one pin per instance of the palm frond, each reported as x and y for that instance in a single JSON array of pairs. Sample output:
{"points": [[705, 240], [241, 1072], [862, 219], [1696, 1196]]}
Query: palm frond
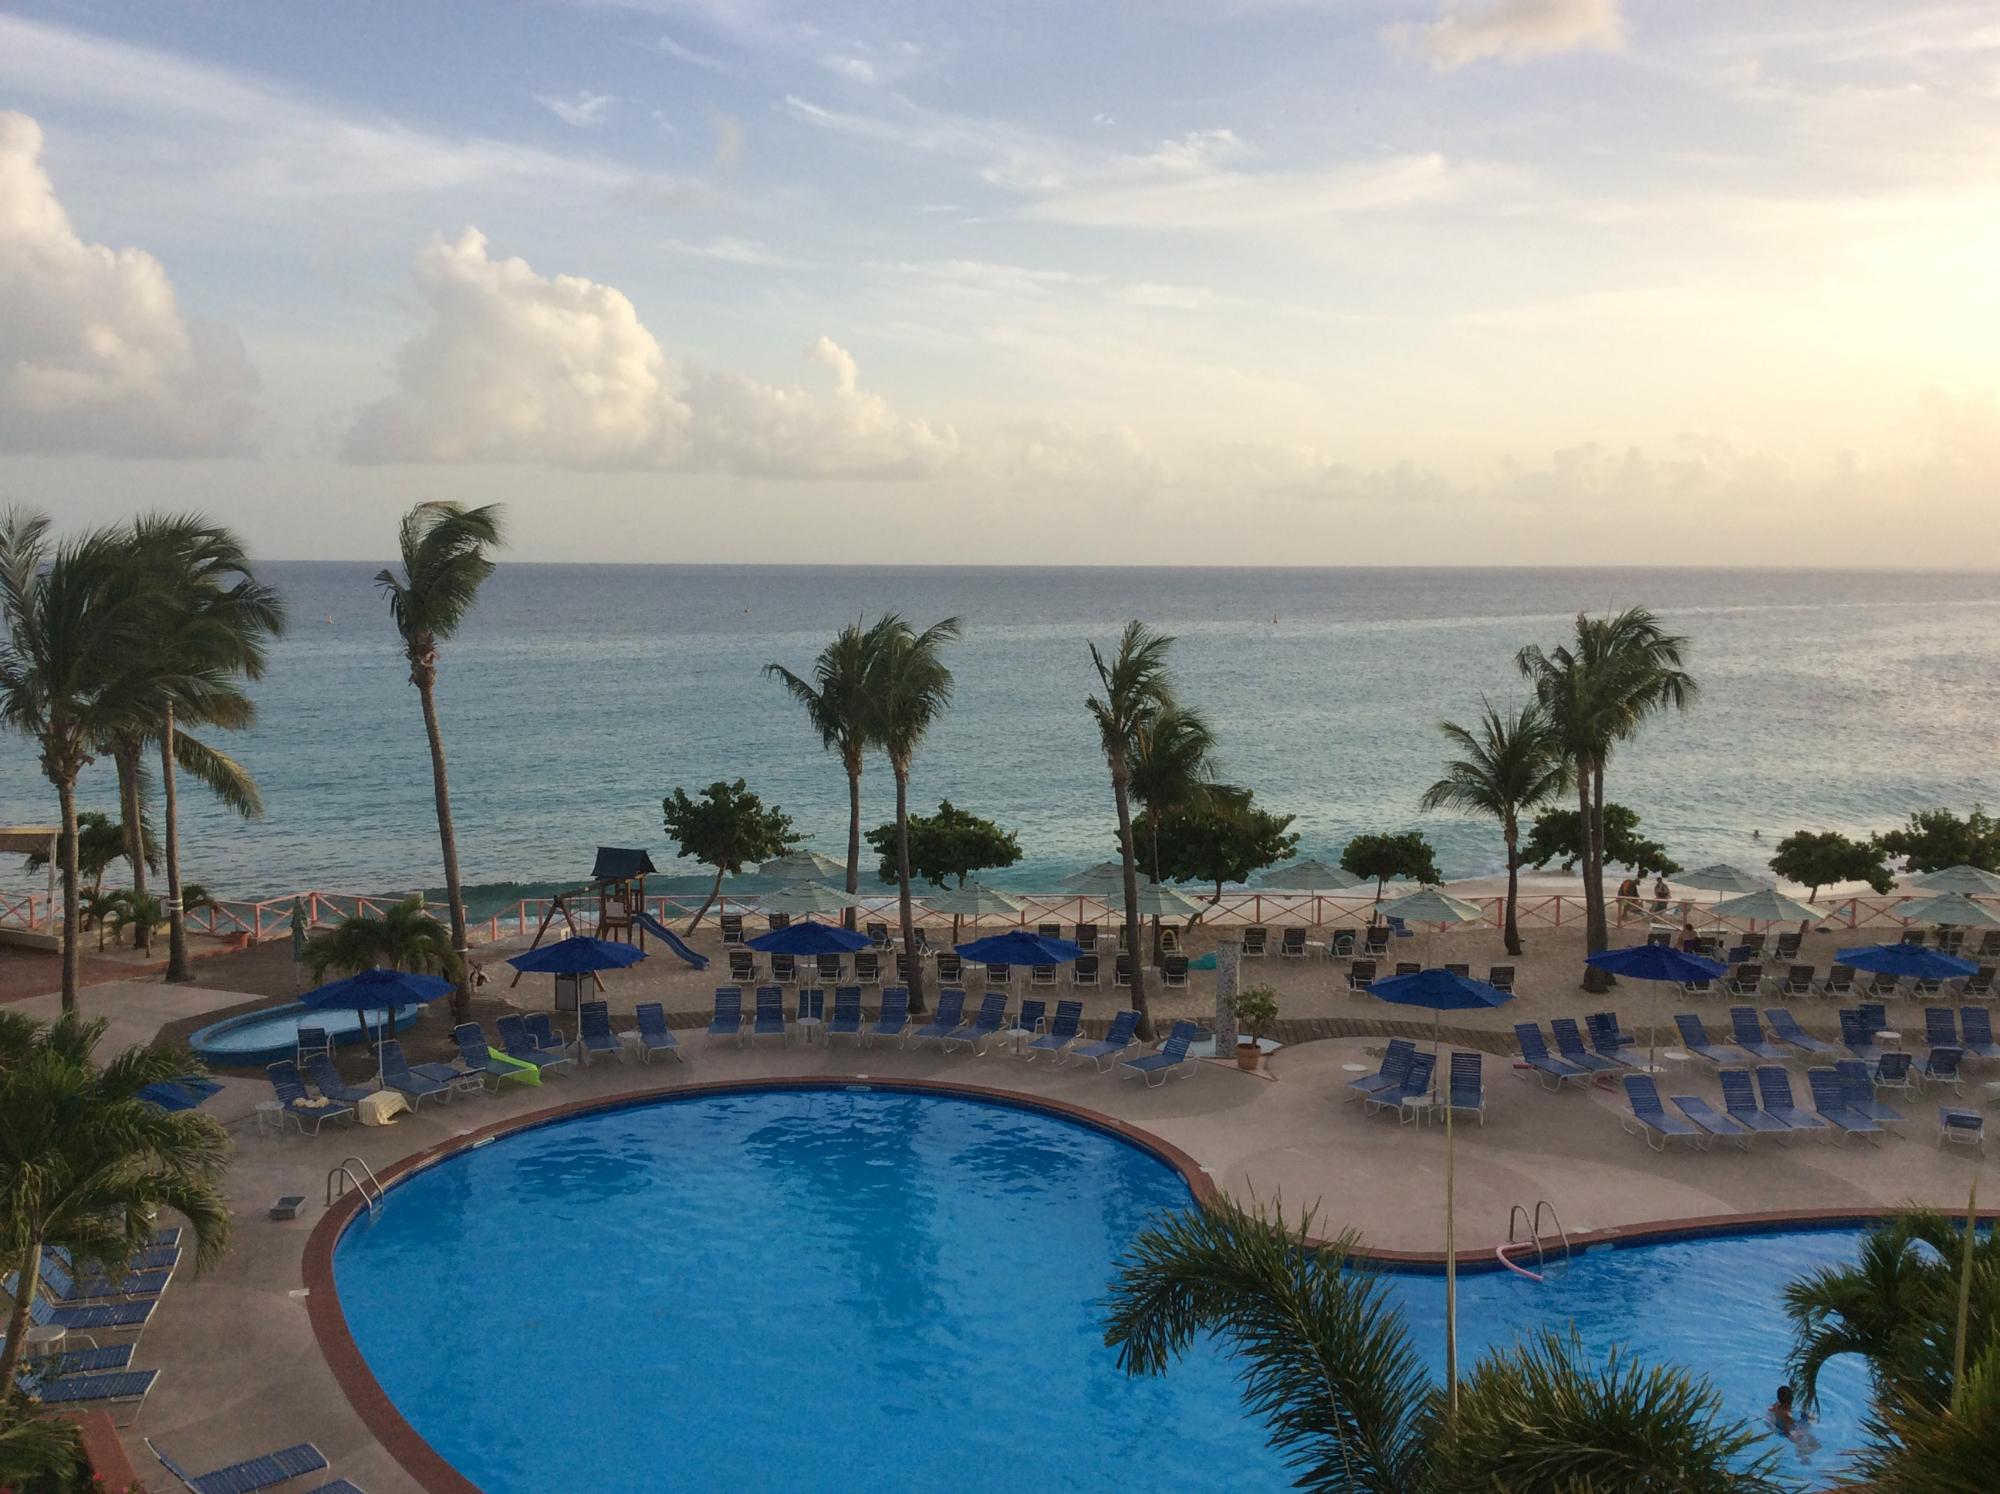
{"points": [[219, 773]]}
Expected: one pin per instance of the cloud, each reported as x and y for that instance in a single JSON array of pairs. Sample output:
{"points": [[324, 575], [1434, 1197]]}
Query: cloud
{"points": [[518, 367], [1512, 30], [684, 53], [732, 251], [584, 112], [95, 355]]}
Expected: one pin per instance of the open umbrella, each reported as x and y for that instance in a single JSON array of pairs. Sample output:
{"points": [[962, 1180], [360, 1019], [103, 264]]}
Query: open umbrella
{"points": [[975, 900], [1431, 905], [1767, 905], [1721, 878], [1660, 962], [1158, 900], [802, 866], [1106, 879], [576, 955], [1309, 876], [1019, 947], [377, 989], [1911, 960], [1953, 910], [1969, 880], [808, 897], [808, 938]]}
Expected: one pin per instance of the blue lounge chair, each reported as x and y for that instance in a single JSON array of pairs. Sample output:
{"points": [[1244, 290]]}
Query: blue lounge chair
{"points": [[593, 1031], [1977, 1024], [300, 1106], [478, 1058], [326, 1079], [893, 1020], [1395, 1064], [1607, 1038], [1416, 1085], [1942, 1065], [1965, 1127], [1857, 1091], [166, 1237], [1033, 1017], [1895, 1070], [1649, 1117], [1571, 1050], [1117, 1041], [846, 1018], [1465, 1089], [122, 1388], [1830, 1100], [1062, 1031], [77, 1361], [768, 1020], [1940, 1027], [1694, 1038], [1704, 1115], [1739, 1098], [94, 1317], [543, 1031], [516, 1043], [1785, 1028], [1874, 1015], [1747, 1035], [1858, 1037], [397, 1075], [97, 1286], [1774, 1087], [150, 1258], [1171, 1059], [728, 1018], [992, 1017], [948, 1018], [249, 1476], [654, 1034], [1535, 1054]]}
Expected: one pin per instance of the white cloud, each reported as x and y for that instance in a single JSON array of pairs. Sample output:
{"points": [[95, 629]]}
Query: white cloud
{"points": [[1512, 30], [95, 355], [584, 112], [732, 251], [515, 366], [684, 53]]}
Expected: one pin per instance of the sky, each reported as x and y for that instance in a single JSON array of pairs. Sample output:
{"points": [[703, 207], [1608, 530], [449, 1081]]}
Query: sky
{"points": [[1132, 281]]}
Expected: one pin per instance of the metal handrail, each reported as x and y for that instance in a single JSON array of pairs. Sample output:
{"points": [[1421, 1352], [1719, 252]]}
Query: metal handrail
{"points": [[1518, 1214], [361, 1184], [1561, 1233]]}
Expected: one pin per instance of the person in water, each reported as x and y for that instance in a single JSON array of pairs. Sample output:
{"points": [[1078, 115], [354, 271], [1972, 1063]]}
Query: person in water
{"points": [[1787, 1422]]}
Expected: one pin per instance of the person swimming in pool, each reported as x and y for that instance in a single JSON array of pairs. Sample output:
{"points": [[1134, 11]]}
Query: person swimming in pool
{"points": [[1790, 1423]]}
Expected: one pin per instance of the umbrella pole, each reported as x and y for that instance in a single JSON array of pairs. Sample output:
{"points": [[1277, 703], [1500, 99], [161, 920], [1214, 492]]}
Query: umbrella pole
{"points": [[1450, 1281]]}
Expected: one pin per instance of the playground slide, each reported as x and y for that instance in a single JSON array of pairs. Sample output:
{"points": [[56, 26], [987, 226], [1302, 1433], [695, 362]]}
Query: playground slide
{"points": [[672, 940]]}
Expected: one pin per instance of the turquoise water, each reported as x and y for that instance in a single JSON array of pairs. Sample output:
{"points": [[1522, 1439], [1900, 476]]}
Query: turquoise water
{"points": [[871, 1290], [578, 696]]}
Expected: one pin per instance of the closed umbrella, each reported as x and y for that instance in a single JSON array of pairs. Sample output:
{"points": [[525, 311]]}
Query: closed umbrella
{"points": [[808, 897], [377, 989], [802, 866], [1952, 910], [1721, 878], [298, 940], [1969, 880]]}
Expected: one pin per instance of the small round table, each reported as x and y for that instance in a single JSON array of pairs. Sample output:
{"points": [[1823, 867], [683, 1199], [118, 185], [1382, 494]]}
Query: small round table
{"points": [[1890, 1036], [270, 1117], [43, 1338], [1355, 1068]]}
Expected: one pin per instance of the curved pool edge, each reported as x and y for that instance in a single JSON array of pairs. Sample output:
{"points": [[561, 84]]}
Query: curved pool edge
{"points": [[429, 1469]]}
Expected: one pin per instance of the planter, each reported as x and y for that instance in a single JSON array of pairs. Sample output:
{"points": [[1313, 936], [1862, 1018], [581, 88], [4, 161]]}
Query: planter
{"points": [[237, 939], [1248, 1054]]}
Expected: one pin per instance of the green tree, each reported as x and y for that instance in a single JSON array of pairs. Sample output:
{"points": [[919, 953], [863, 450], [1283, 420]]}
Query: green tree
{"points": [[837, 702], [84, 1162], [1936, 838], [1596, 692], [1173, 767], [100, 841], [1328, 1364], [1506, 767], [908, 690], [1388, 857], [75, 628], [727, 828], [1134, 689], [1818, 858], [1557, 835], [446, 551], [404, 936], [946, 848], [1223, 838]]}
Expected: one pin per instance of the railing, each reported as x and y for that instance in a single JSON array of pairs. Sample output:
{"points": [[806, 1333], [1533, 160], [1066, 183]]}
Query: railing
{"points": [[1518, 1214], [342, 1176]]}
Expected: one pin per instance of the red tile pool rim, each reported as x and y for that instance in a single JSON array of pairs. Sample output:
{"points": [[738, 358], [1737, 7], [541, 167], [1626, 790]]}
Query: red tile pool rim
{"points": [[423, 1463]]}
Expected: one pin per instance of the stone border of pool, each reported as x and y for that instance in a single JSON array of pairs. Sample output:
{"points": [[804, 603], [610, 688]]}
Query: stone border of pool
{"points": [[432, 1472]]}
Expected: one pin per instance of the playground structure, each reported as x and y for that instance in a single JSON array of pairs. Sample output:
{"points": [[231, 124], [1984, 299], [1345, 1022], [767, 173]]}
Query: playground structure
{"points": [[618, 882]]}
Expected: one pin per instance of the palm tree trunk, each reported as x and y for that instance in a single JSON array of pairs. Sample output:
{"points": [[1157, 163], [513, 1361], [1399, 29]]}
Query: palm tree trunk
{"points": [[1511, 931], [177, 948], [1132, 921], [714, 891], [17, 1315], [125, 757], [853, 838], [1153, 825], [903, 888], [461, 998], [72, 935], [1595, 934]]}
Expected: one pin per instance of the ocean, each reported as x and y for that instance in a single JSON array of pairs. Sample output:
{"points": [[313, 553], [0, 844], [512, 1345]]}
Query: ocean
{"points": [[577, 696]]}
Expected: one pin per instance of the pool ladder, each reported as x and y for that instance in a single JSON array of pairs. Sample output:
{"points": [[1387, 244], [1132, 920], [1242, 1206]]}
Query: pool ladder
{"points": [[1519, 1215], [339, 1179]]}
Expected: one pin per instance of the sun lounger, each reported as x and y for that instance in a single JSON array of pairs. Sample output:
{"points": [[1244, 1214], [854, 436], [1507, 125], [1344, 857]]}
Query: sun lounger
{"points": [[878, 935], [1174, 971], [1501, 978], [1172, 1058], [784, 969], [67, 1291], [867, 968], [1857, 1037], [121, 1388], [768, 1020], [1062, 1031], [1571, 1050], [97, 1361], [93, 1317], [1979, 983], [728, 1018], [1292, 943], [1694, 1038], [1256, 942], [1895, 1070], [1698, 987], [249, 1476], [992, 1016], [1342, 944], [416, 1088], [1940, 1027], [1117, 1041], [1083, 971], [948, 1018], [1977, 1024], [846, 1018], [775, 921], [1774, 1087], [1788, 945], [1707, 1118], [1535, 1054], [1798, 981], [1746, 980], [1360, 975], [1785, 1028], [543, 1031], [1465, 1090], [1389, 1075], [655, 1036], [1121, 972], [593, 1031], [478, 1057], [1965, 1127], [1416, 1086], [1857, 1092], [1830, 1100], [1942, 1066], [517, 1045], [1650, 1119], [1606, 1036], [300, 1106], [1747, 1035], [1839, 982], [894, 1018], [829, 968], [326, 1079], [1086, 937], [743, 966], [1884, 987], [999, 977]]}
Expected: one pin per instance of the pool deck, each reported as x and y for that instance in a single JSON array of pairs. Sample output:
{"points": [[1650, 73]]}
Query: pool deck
{"points": [[244, 1372]]}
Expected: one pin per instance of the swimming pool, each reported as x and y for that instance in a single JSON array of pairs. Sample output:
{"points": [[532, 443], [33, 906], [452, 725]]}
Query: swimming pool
{"points": [[272, 1034], [882, 1289]]}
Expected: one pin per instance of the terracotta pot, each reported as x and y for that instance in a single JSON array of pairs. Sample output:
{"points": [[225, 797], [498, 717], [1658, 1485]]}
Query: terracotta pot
{"points": [[1248, 1054]]}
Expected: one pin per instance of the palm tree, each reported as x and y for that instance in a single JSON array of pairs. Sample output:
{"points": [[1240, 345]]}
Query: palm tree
{"points": [[445, 560], [84, 1162], [1329, 1365], [74, 626], [1135, 690], [1171, 771], [1508, 767], [1596, 693], [909, 688], [405, 936], [837, 704]]}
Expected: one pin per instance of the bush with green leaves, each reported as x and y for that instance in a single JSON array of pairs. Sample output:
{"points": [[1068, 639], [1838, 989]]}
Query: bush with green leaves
{"points": [[1256, 1010], [1820, 858], [1387, 858]]}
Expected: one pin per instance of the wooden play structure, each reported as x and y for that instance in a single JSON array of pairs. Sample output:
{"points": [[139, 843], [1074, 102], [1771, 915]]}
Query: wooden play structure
{"points": [[618, 882]]}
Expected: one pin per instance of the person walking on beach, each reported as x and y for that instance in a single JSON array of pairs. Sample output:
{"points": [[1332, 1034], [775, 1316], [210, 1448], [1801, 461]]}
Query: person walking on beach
{"points": [[1660, 895], [1628, 897]]}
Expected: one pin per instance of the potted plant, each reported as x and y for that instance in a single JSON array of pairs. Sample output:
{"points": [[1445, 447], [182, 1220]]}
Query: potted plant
{"points": [[1256, 1010]]}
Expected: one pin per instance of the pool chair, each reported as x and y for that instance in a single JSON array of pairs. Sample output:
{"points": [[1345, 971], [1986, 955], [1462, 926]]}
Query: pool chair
{"points": [[828, 968], [1552, 1072], [326, 1079], [1121, 971], [1606, 1036], [1858, 1037], [654, 1034], [894, 1018], [1798, 981], [1411, 1099], [1360, 975], [992, 1017], [543, 1031], [1895, 1070], [1747, 1035], [1978, 984], [312, 1040], [1989, 945], [1409, 967], [593, 1032], [123, 1389], [1857, 1091], [1829, 1098], [902, 968], [1883, 987], [1062, 1031], [878, 935], [1571, 1050], [1118, 1040], [1649, 1117], [1705, 1116], [480, 1059], [1697, 988], [416, 1088], [1788, 946], [1041, 975], [151, 1258], [1292, 943], [94, 1317], [1940, 1027], [1256, 942], [300, 1106], [775, 921], [247, 1477], [999, 977], [166, 1237], [768, 1019], [66, 1291], [1342, 944], [1172, 1058], [1964, 1127], [731, 925], [743, 967], [867, 968], [1694, 1038], [1389, 1074], [517, 1045], [1375, 939], [1048, 930], [1785, 1028], [1774, 1087], [948, 1018], [728, 1018], [1839, 982], [1465, 1091], [846, 1018], [1464, 972], [784, 969], [1174, 971], [1977, 1024], [1032, 1018], [1746, 980], [1086, 937], [1874, 1016], [1942, 1065], [1501, 978], [96, 1361], [1083, 972]]}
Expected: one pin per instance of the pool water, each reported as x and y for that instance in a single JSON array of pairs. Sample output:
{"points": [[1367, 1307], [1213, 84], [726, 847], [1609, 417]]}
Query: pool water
{"points": [[881, 1290], [267, 1036]]}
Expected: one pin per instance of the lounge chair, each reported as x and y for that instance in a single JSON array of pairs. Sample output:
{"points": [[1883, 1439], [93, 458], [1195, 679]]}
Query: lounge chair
{"points": [[1989, 945], [1839, 982], [1464, 1087], [1463, 972], [543, 1031], [991, 1018], [776, 921], [478, 1057], [1041, 975], [1895, 1070], [655, 1036], [68, 1291], [1375, 940], [1774, 1087], [1884, 987], [1086, 938], [1857, 1092], [1747, 1035], [829, 968], [1360, 975], [999, 977], [1788, 946], [516, 1044], [1501, 978], [731, 925], [784, 970], [1606, 1036], [1171, 1059], [1857, 1037], [312, 1040], [1747, 980], [878, 935], [1694, 1038], [1389, 1074], [948, 1018], [902, 961], [593, 1032], [1977, 1024], [1570, 1049], [949, 968], [768, 1018], [1174, 971], [743, 967], [1979, 983], [1342, 944], [1798, 981], [893, 1019], [1649, 1117], [1083, 972], [326, 1079], [247, 1477], [1256, 942], [867, 968], [1830, 1100], [1705, 1116], [1785, 1028], [1409, 967], [121, 1388], [1535, 1054], [1121, 971], [94, 1317], [1416, 1085], [1965, 1127], [1118, 1040], [1942, 1065], [728, 1018], [416, 1088], [846, 1018], [300, 1106], [1699, 987], [1062, 1031], [1292, 943], [1941, 1027], [66, 1361]]}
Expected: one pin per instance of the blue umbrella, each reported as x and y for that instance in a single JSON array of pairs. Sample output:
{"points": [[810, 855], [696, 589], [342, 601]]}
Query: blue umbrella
{"points": [[1905, 959], [379, 987], [1657, 962], [809, 938], [580, 955], [184, 1093], [1019, 947]]}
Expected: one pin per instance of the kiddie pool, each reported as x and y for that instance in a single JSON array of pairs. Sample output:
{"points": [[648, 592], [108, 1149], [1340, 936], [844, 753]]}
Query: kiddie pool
{"points": [[273, 1034]]}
